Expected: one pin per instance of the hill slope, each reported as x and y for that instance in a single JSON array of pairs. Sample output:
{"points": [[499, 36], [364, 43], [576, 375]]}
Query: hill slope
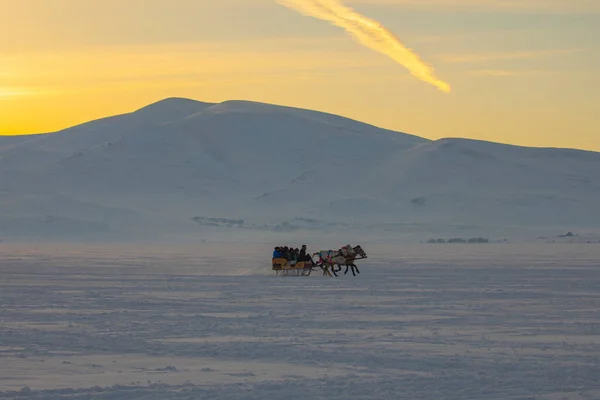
{"points": [[151, 171]]}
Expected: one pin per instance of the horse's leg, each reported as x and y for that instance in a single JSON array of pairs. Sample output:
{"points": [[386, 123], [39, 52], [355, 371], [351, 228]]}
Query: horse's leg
{"points": [[357, 270], [352, 266], [334, 271], [346, 271]]}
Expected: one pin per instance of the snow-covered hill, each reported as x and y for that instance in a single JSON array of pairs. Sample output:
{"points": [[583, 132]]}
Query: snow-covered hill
{"points": [[6, 141], [279, 169]]}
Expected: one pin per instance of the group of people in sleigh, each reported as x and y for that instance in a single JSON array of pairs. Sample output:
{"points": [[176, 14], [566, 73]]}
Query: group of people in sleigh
{"points": [[293, 255]]}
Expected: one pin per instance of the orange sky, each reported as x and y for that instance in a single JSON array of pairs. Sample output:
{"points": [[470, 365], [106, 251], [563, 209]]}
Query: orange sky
{"points": [[521, 72]]}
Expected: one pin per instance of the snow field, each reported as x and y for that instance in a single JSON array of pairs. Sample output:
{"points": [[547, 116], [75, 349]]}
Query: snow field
{"points": [[420, 322]]}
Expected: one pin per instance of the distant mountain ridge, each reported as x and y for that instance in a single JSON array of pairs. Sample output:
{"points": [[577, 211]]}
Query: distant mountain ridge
{"points": [[152, 171]]}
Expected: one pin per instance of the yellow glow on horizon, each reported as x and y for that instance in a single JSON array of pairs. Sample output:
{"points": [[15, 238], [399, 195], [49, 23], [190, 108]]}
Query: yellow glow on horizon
{"points": [[53, 91], [512, 82]]}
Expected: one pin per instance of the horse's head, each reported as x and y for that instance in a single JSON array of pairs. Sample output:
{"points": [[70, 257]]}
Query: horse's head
{"points": [[358, 250]]}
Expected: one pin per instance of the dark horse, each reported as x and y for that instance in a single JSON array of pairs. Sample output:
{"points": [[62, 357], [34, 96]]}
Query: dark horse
{"points": [[348, 259]]}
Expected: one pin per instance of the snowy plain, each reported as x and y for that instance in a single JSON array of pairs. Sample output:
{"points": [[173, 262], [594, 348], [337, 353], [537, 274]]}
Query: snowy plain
{"points": [[439, 322]]}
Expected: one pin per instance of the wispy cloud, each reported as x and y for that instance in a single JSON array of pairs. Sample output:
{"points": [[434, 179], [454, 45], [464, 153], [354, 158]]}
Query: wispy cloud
{"points": [[497, 73], [186, 66], [539, 6], [469, 58], [506, 73], [7, 92], [369, 33]]}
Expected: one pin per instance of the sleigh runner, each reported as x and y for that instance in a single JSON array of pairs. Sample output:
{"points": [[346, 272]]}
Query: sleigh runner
{"points": [[282, 266]]}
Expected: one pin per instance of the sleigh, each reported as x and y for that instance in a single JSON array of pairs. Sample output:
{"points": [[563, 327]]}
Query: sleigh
{"points": [[281, 266], [328, 260]]}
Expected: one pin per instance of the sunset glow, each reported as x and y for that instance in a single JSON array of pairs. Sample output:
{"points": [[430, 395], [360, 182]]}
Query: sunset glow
{"points": [[522, 72]]}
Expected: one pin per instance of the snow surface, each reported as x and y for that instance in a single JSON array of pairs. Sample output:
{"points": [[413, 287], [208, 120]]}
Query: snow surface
{"points": [[146, 174], [493, 322]]}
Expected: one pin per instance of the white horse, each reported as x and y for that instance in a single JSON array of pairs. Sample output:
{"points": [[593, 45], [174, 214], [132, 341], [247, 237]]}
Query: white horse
{"points": [[329, 259]]}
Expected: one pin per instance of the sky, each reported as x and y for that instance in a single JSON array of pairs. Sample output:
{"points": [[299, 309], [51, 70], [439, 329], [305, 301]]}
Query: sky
{"points": [[520, 71]]}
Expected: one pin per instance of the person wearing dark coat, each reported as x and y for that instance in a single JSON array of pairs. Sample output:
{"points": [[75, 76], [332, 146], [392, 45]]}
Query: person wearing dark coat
{"points": [[305, 257], [302, 254], [286, 253]]}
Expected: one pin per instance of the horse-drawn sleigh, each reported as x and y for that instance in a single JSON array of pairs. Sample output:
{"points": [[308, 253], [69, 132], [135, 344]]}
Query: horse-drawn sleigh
{"points": [[329, 261], [283, 266]]}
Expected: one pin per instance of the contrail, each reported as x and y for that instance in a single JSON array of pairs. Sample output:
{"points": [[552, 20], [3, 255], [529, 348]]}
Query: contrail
{"points": [[368, 32]]}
